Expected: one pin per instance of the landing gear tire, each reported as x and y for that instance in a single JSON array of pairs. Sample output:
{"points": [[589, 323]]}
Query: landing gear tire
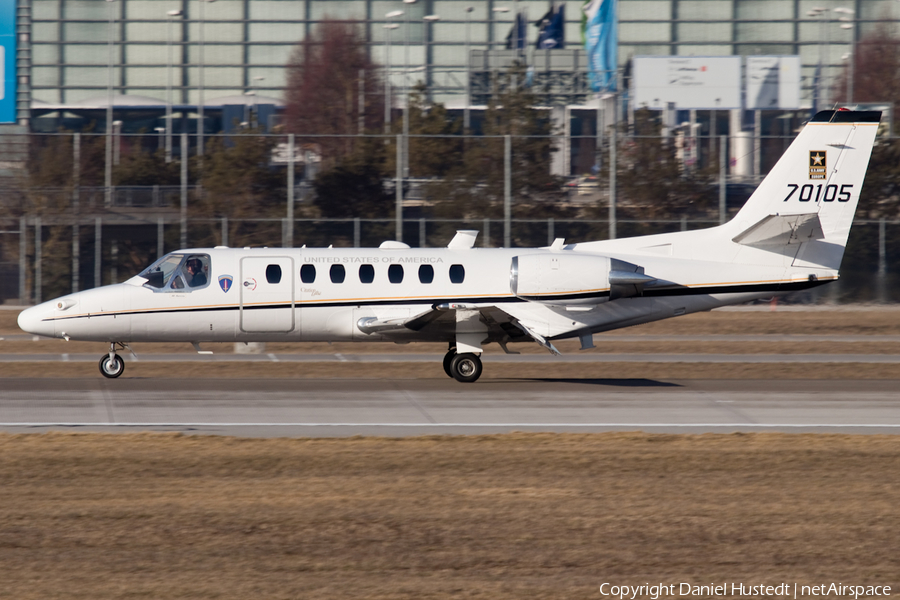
{"points": [[466, 368], [448, 360], [112, 367]]}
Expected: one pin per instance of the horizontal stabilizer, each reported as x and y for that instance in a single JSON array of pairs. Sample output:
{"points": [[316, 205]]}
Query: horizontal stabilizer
{"points": [[782, 230]]}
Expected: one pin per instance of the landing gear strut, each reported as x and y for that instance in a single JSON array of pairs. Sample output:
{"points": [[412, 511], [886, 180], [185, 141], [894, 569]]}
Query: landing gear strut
{"points": [[112, 365], [466, 367]]}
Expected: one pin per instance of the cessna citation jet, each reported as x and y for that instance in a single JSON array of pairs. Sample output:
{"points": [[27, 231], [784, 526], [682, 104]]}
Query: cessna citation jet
{"points": [[790, 235]]}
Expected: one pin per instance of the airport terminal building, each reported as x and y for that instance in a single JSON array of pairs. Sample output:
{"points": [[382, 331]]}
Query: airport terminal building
{"points": [[225, 59], [71, 52]]}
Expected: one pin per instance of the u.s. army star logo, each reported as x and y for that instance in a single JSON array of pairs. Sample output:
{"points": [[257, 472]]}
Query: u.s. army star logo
{"points": [[817, 166]]}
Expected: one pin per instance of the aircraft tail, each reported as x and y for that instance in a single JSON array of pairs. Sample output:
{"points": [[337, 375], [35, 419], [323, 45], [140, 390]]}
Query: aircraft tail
{"points": [[809, 198]]}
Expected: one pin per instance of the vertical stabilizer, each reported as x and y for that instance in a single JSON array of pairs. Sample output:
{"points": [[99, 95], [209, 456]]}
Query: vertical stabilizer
{"points": [[820, 175]]}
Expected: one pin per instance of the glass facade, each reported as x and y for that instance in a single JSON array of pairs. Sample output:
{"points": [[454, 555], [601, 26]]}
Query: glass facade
{"points": [[246, 43]]}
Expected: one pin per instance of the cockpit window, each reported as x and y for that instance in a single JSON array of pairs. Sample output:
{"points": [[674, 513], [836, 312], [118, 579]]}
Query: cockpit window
{"points": [[160, 273], [178, 272], [196, 270]]}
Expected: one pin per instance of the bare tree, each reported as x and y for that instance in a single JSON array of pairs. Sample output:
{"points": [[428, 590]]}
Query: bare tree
{"points": [[876, 78], [876, 70], [323, 91]]}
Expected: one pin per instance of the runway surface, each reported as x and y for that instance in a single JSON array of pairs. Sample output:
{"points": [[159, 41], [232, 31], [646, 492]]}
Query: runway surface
{"points": [[395, 407], [487, 358], [624, 338]]}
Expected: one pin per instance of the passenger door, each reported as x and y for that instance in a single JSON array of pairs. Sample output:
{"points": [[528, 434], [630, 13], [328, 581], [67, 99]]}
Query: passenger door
{"points": [[267, 294]]}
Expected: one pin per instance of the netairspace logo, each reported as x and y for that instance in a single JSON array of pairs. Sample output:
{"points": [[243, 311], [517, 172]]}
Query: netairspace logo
{"points": [[782, 590]]}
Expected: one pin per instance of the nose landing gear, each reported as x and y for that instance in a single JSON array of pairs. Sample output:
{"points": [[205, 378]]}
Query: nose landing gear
{"points": [[112, 365]]}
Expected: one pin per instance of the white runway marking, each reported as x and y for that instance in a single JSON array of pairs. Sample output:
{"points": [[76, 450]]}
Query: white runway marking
{"points": [[435, 425]]}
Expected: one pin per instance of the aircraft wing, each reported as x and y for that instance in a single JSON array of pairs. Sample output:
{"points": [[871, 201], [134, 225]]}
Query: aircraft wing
{"points": [[442, 320], [430, 321]]}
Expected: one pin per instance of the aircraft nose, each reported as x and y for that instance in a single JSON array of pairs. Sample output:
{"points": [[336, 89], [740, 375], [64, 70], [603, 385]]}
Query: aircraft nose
{"points": [[32, 320]]}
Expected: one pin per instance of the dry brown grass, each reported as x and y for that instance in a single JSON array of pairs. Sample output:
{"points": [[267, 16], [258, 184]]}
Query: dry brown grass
{"points": [[507, 516]]}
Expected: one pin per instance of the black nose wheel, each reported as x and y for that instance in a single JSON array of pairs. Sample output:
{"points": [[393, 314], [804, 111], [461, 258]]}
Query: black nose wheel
{"points": [[466, 367], [112, 366]]}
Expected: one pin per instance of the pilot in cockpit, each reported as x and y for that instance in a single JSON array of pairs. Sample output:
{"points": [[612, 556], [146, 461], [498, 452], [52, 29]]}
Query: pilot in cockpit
{"points": [[194, 272]]}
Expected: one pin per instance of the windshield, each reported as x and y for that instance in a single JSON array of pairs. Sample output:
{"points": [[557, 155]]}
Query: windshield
{"points": [[159, 273], [184, 272]]}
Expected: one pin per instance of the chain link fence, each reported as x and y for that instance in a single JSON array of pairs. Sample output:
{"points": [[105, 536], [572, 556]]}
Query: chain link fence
{"points": [[52, 259], [70, 219]]}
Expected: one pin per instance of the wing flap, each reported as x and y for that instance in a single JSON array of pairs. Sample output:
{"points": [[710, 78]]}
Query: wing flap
{"points": [[502, 324], [537, 337]]}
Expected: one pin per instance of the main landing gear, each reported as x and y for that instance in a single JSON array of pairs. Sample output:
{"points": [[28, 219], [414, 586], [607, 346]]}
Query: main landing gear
{"points": [[112, 365], [464, 367]]}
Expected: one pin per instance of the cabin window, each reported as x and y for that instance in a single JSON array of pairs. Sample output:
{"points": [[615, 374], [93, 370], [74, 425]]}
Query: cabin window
{"points": [[273, 273], [337, 273], [308, 273], [366, 273], [395, 273], [426, 273], [457, 273]]}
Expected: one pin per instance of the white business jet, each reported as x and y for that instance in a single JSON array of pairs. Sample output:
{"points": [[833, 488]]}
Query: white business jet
{"points": [[790, 235]]}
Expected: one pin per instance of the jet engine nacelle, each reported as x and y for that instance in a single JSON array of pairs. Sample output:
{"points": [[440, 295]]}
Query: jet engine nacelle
{"points": [[575, 279]]}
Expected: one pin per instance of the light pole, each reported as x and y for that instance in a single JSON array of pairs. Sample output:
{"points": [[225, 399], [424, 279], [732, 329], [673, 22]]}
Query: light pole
{"points": [[109, 109], [500, 10], [849, 22], [515, 37], [172, 14], [516, 28], [466, 116], [820, 12], [406, 43], [426, 44], [117, 148], [405, 154], [256, 82], [515, 22], [247, 111], [200, 112], [387, 67]]}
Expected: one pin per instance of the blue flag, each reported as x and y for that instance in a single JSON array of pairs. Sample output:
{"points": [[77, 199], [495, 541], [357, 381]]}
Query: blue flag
{"points": [[601, 42], [516, 38], [552, 28]]}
